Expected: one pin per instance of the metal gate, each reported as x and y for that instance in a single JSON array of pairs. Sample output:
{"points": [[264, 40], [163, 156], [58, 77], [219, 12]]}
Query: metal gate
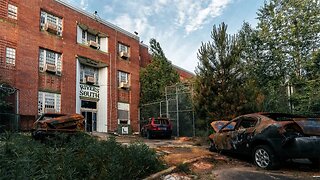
{"points": [[177, 106]]}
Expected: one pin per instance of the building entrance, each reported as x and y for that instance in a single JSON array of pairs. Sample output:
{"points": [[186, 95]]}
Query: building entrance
{"points": [[89, 112], [90, 120]]}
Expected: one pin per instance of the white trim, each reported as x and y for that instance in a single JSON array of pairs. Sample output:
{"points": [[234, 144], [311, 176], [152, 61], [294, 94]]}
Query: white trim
{"points": [[42, 101], [106, 23]]}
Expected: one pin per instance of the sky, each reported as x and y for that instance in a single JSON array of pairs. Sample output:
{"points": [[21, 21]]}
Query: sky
{"points": [[178, 25]]}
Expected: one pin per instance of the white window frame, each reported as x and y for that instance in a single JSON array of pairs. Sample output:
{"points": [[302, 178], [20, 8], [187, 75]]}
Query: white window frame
{"points": [[10, 56], [123, 48], [43, 60], [85, 37], [88, 71], [12, 11], [82, 38], [123, 77], [48, 100], [124, 107], [45, 18]]}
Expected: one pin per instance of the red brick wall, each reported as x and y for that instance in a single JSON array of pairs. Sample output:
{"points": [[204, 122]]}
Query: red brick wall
{"points": [[184, 75], [145, 56], [26, 33]]}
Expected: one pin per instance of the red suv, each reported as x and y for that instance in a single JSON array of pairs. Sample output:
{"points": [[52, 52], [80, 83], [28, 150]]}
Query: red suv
{"points": [[157, 127]]}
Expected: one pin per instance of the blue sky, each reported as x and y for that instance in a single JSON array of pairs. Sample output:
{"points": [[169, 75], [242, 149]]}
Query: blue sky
{"points": [[178, 25]]}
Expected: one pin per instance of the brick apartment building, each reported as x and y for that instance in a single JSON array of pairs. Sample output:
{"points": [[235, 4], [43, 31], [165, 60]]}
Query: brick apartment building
{"points": [[63, 59]]}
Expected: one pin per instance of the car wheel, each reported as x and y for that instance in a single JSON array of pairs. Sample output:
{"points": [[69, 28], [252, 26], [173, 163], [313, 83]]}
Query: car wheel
{"points": [[149, 135], [264, 157]]}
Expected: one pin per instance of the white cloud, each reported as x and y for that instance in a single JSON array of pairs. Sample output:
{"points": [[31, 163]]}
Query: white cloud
{"points": [[108, 9], [84, 4], [130, 24], [193, 15]]}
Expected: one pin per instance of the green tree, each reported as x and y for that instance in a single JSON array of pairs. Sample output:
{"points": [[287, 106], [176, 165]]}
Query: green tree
{"points": [[222, 86], [5, 105], [157, 75], [289, 32]]}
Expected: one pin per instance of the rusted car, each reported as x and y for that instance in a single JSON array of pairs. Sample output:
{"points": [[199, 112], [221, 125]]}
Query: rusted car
{"points": [[270, 138], [50, 123]]}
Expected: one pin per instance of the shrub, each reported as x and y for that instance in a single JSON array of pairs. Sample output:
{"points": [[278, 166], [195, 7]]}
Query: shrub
{"points": [[77, 157]]}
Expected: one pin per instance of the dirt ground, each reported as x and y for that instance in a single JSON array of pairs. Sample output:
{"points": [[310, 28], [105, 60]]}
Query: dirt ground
{"points": [[194, 161]]}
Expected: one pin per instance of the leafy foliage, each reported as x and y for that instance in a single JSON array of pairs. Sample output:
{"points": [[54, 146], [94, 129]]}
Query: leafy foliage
{"points": [[157, 75], [222, 88], [277, 63], [290, 34], [5, 105], [78, 157]]}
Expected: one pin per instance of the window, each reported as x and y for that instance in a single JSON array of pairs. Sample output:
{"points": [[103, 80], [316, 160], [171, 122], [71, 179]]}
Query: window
{"points": [[247, 122], [50, 61], [12, 11], [88, 104], [123, 113], [123, 48], [48, 102], [123, 77], [10, 56], [123, 51], [92, 38], [51, 23], [88, 74]]}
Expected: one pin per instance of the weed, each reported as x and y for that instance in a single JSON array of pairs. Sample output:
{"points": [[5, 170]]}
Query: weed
{"points": [[74, 157]]}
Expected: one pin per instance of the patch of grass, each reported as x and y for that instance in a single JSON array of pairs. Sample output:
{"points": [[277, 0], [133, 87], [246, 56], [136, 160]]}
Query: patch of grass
{"points": [[183, 167], [74, 157]]}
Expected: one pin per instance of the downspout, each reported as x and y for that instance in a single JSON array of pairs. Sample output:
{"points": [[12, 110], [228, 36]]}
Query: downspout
{"points": [[110, 113], [115, 77]]}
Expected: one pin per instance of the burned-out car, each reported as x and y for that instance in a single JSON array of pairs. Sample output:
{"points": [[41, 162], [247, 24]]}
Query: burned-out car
{"points": [[270, 138], [50, 123]]}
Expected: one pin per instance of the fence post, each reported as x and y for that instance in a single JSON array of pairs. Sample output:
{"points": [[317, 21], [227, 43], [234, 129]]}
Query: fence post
{"points": [[167, 104], [177, 106]]}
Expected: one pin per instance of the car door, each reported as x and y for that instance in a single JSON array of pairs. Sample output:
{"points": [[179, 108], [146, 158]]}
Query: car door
{"points": [[236, 138], [243, 135], [223, 138]]}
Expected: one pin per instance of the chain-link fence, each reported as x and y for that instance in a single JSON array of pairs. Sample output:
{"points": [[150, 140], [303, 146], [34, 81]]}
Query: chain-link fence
{"points": [[177, 106]]}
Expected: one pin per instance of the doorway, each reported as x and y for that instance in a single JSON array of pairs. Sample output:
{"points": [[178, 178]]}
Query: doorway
{"points": [[90, 120]]}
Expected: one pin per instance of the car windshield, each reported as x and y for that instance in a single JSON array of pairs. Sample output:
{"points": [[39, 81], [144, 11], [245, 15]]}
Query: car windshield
{"points": [[161, 121]]}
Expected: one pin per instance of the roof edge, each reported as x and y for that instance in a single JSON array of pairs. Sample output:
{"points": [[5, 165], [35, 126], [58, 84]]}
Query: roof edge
{"points": [[182, 69], [104, 22]]}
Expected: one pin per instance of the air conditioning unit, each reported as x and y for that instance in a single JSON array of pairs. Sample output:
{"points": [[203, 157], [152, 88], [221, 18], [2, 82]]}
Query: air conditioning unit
{"points": [[124, 85], [50, 68], [124, 55], [94, 44], [50, 27], [90, 80], [49, 110]]}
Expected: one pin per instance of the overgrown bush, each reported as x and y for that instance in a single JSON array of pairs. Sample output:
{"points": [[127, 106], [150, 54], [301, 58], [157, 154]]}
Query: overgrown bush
{"points": [[78, 157]]}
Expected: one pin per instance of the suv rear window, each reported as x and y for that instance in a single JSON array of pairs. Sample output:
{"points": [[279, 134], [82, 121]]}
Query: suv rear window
{"points": [[161, 121]]}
